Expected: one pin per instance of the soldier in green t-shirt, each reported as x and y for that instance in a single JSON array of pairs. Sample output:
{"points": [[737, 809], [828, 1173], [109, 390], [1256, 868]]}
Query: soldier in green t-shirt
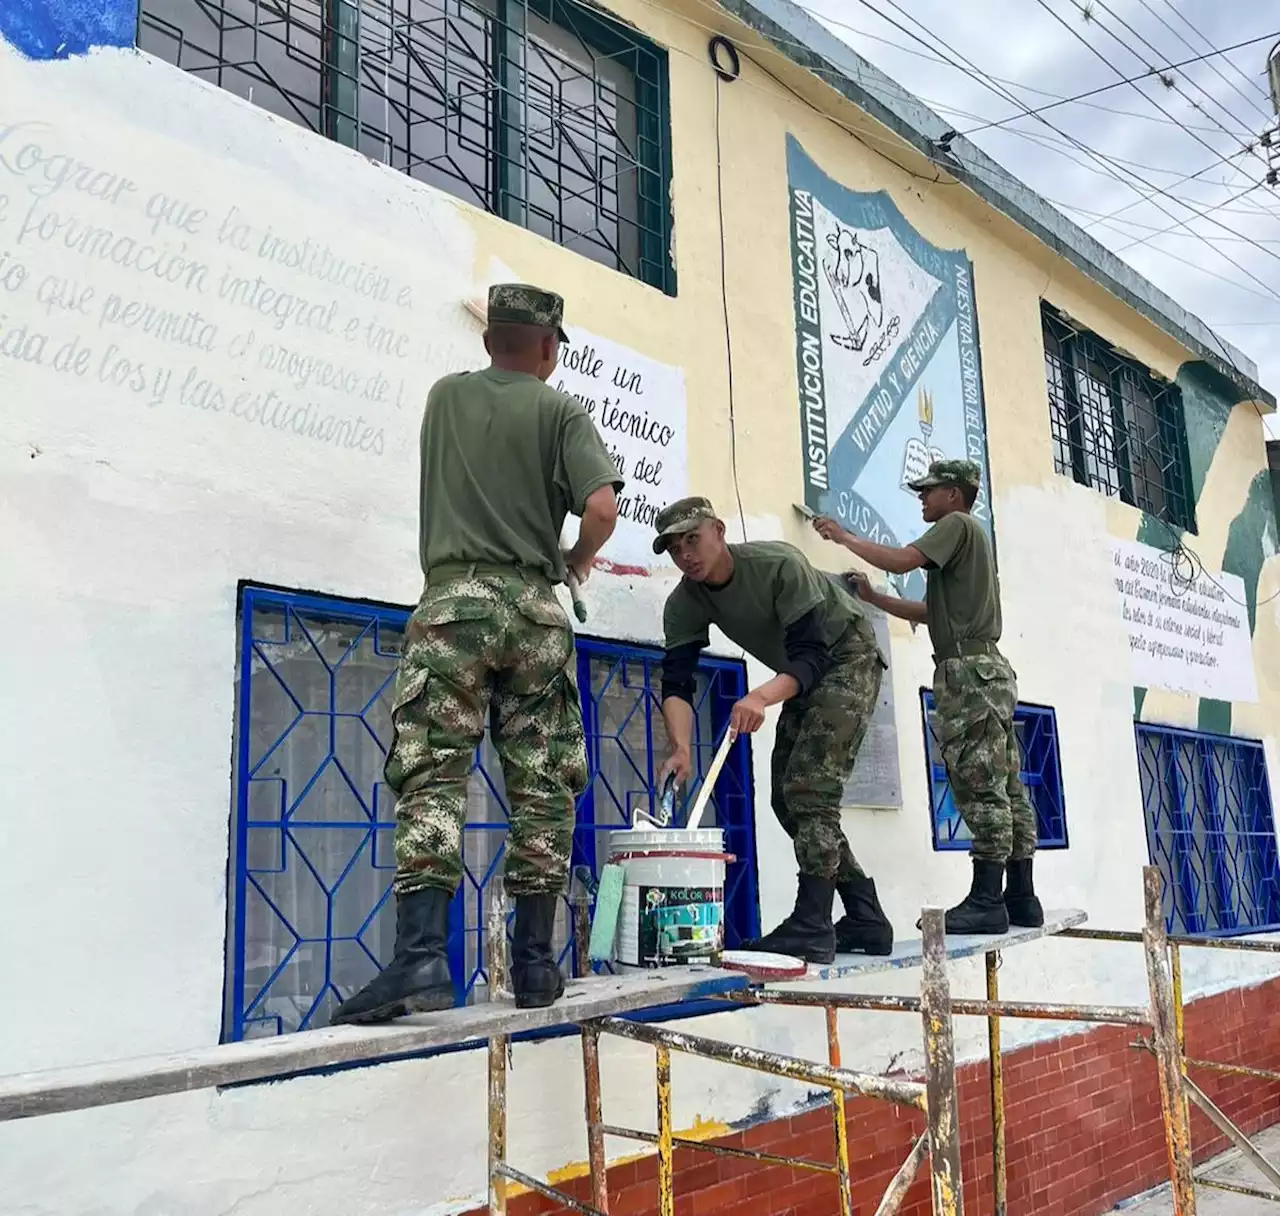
{"points": [[769, 600], [504, 459], [974, 690]]}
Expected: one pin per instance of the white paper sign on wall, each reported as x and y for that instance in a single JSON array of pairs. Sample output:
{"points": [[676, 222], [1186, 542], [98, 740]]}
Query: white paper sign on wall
{"points": [[638, 406], [1188, 639]]}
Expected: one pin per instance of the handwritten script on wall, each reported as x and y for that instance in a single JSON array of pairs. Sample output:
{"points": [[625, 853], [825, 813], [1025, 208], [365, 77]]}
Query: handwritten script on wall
{"points": [[638, 406], [1184, 638], [129, 283]]}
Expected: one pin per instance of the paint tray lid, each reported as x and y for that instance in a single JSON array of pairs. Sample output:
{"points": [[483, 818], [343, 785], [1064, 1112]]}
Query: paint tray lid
{"points": [[759, 965]]}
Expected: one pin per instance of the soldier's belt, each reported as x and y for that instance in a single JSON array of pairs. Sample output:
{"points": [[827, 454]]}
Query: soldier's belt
{"points": [[447, 571], [965, 650]]}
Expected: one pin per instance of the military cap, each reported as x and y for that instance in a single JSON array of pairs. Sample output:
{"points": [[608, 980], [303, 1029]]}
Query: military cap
{"points": [[683, 515], [956, 473], [521, 304]]}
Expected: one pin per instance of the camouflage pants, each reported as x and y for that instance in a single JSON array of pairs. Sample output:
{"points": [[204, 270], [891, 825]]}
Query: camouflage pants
{"points": [[817, 744], [495, 646], [974, 698]]}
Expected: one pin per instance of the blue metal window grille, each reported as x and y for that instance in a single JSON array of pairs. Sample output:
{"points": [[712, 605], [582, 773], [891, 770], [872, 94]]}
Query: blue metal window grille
{"points": [[1116, 426], [311, 915], [1210, 829], [1041, 773], [545, 112]]}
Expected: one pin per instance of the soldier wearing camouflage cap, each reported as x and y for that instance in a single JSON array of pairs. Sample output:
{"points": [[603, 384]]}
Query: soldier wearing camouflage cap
{"points": [[974, 690], [770, 601], [504, 459]]}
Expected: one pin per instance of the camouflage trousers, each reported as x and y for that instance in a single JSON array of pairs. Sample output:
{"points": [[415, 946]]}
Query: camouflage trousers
{"points": [[814, 753], [974, 698], [486, 646]]}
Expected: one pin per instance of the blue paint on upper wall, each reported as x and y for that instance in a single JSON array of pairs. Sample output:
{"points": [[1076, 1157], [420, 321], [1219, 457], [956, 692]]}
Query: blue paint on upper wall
{"points": [[58, 29]]}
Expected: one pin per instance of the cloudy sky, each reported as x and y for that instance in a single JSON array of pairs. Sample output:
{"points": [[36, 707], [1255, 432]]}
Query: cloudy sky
{"points": [[1127, 163]]}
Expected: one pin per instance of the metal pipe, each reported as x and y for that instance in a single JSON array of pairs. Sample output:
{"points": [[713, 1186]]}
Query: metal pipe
{"points": [[1232, 1132], [1180, 1026], [595, 1116], [720, 1150], [839, 1123], [1236, 1188], [1180, 939], [1236, 1070], [940, 1067], [1168, 1061], [889, 1089], [999, 1176], [535, 1184], [497, 1065], [901, 1182], [581, 938], [666, 1179], [1119, 1015]]}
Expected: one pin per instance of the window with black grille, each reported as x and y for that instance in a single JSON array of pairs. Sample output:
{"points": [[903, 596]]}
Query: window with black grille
{"points": [[1115, 425], [540, 111]]}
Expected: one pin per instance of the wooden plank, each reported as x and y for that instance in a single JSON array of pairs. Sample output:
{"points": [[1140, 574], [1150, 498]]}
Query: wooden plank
{"points": [[25, 1095], [908, 954]]}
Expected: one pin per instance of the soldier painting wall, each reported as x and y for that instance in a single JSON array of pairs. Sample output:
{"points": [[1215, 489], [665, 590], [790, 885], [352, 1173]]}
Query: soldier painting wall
{"points": [[886, 358]]}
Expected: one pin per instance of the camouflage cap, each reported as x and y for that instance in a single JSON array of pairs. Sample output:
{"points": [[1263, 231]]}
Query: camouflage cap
{"points": [[683, 515], [949, 473], [521, 304]]}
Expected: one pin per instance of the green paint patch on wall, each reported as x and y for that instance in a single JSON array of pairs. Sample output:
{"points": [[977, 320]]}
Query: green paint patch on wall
{"points": [[1214, 717], [1252, 539], [1139, 696], [1207, 401]]}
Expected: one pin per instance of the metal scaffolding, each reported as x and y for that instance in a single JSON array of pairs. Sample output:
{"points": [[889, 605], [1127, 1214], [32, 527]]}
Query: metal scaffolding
{"points": [[598, 1007]]}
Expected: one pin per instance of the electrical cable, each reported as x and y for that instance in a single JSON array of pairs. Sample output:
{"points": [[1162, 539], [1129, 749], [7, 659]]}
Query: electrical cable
{"points": [[1253, 84], [725, 75], [1213, 67]]}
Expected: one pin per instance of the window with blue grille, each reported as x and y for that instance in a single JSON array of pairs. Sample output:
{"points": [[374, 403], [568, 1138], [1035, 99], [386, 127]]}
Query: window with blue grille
{"points": [[311, 915], [1210, 829], [1041, 774]]}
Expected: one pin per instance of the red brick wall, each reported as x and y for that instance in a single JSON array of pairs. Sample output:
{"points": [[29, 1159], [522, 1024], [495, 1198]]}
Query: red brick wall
{"points": [[1083, 1117]]}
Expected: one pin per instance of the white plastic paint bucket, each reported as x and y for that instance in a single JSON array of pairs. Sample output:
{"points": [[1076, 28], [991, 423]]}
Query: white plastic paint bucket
{"points": [[672, 895]]}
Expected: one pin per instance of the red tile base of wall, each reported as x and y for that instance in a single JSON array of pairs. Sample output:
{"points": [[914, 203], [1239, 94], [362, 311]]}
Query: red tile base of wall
{"points": [[1083, 1118]]}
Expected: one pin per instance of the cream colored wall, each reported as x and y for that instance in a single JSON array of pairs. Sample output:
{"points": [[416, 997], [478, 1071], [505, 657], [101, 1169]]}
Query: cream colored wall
{"points": [[134, 528]]}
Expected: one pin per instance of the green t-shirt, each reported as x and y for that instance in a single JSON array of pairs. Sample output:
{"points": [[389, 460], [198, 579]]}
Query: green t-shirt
{"points": [[505, 458], [962, 595], [772, 586]]}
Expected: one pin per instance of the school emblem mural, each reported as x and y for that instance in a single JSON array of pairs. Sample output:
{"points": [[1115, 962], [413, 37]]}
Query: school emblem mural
{"points": [[886, 358]]}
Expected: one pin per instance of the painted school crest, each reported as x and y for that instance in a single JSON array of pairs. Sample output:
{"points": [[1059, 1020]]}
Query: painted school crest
{"points": [[886, 357]]}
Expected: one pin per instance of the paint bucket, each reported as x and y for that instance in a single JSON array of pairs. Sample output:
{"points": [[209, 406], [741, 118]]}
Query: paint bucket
{"points": [[672, 895]]}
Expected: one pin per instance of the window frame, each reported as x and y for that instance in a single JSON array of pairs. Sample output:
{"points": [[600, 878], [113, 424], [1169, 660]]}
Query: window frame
{"points": [[1179, 899], [734, 793], [1046, 777], [1078, 352], [341, 76]]}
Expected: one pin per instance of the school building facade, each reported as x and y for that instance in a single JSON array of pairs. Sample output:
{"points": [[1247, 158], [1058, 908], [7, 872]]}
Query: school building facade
{"points": [[238, 242]]}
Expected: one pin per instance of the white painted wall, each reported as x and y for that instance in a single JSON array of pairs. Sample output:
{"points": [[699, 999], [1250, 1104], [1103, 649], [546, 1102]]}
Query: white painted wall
{"points": [[128, 522]]}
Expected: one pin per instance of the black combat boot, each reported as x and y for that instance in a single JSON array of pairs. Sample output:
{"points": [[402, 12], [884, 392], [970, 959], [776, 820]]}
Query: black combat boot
{"points": [[864, 927], [807, 933], [1020, 894], [982, 910], [535, 977], [417, 978]]}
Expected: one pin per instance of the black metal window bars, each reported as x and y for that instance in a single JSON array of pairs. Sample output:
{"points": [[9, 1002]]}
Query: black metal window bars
{"points": [[544, 112]]}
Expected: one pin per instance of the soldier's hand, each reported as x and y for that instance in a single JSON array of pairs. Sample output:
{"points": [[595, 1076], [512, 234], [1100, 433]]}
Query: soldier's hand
{"points": [[679, 762], [581, 570], [828, 529], [747, 716], [859, 584]]}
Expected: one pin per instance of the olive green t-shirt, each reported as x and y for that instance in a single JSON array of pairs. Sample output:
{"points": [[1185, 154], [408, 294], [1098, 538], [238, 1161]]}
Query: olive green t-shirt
{"points": [[772, 586], [962, 594], [505, 458]]}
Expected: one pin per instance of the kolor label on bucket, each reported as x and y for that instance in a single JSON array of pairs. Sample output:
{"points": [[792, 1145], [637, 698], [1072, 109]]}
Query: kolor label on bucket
{"points": [[665, 925]]}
